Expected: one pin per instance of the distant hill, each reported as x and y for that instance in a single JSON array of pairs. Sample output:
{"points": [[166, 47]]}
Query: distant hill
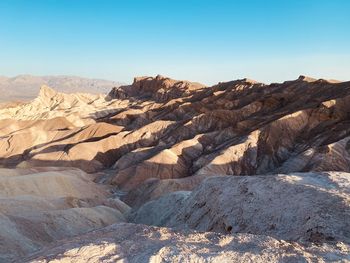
{"points": [[26, 87]]}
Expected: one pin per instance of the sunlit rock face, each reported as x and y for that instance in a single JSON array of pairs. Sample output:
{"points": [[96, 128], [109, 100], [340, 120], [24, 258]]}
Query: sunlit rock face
{"points": [[42, 205], [141, 243], [238, 157], [236, 128], [304, 207]]}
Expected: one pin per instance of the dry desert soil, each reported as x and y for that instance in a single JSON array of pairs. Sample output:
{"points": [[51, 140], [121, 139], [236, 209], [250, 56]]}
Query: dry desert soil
{"points": [[174, 171]]}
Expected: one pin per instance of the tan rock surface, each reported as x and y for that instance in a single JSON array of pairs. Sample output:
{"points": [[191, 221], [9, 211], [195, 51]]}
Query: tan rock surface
{"points": [[140, 243], [78, 108], [152, 144], [40, 206], [232, 128], [306, 207]]}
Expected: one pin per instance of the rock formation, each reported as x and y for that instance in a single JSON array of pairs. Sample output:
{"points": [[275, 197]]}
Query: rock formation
{"points": [[39, 206], [234, 128], [301, 207], [269, 163], [140, 243]]}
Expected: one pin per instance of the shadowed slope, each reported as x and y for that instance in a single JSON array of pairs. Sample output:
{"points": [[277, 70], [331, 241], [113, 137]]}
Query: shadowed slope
{"points": [[39, 206], [153, 143], [235, 128], [140, 243]]}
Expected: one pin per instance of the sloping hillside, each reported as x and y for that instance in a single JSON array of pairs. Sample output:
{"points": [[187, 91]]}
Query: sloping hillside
{"points": [[267, 163]]}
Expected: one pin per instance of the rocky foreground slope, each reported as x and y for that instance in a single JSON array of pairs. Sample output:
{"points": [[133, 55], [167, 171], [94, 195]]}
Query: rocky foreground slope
{"points": [[141, 243], [269, 162]]}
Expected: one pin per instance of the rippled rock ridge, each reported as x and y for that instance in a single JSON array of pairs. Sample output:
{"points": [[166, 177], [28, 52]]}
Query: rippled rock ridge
{"points": [[174, 171]]}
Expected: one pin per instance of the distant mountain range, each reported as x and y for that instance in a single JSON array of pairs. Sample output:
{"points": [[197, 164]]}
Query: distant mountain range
{"points": [[26, 87]]}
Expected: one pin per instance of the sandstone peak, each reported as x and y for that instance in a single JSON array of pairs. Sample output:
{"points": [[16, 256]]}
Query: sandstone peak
{"points": [[158, 88], [47, 92]]}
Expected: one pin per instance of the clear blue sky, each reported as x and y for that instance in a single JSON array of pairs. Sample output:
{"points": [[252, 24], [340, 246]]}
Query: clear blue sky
{"points": [[200, 40]]}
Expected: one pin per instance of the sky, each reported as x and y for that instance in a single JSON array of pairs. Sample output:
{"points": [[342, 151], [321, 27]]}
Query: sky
{"points": [[199, 40]]}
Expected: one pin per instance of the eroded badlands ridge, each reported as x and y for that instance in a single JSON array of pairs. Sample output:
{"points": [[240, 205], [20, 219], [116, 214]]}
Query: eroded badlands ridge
{"points": [[167, 129], [153, 145]]}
